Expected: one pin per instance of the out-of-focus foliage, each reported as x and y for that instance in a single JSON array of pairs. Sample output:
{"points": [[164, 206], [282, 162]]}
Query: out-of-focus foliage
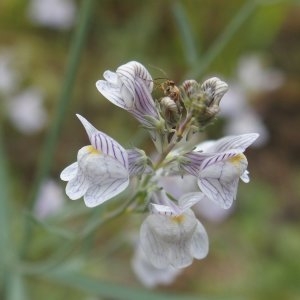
{"points": [[254, 252]]}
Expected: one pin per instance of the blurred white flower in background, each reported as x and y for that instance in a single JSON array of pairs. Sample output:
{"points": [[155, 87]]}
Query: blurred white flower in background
{"points": [[9, 77], [26, 111], [57, 14], [149, 275], [253, 78], [50, 199]]}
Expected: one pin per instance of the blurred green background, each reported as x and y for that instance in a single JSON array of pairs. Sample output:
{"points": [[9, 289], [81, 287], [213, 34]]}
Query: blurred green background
{"points": [[50, 58]]}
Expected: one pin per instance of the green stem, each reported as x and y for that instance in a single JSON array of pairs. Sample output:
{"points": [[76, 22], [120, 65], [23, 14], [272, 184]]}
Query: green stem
{"points": [[91, 227], [49, 146], [175, 139], [188, 41], [7, 257]]}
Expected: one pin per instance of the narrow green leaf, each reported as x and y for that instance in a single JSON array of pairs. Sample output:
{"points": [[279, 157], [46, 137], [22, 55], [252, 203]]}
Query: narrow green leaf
{"points": [[10, 280], [48, 150], [66, 234], [185, 31], [15, 287]]}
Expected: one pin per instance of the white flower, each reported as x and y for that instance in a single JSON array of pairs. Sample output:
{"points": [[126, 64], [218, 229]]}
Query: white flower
{"points": [[26, 111], [149, 275], [101, 171], [130, 88], [254, 76], [248, 121], [58, 14], [241, 117], [219, 165], [50, 199], [9, 77], [172, 236]]}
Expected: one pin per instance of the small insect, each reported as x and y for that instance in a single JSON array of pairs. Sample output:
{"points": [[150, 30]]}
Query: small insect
{"points": [[172, 100], [171, 90]]}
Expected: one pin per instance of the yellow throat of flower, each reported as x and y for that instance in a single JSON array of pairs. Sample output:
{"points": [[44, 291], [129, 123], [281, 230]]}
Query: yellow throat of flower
{"points": [[178, 219], [237, 159], [93, 150]]}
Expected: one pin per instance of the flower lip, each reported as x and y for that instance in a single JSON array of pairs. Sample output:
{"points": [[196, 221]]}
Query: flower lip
{"points": [[169, 242], [101, 171], [219, 165], [124, 87], [104, 143]]}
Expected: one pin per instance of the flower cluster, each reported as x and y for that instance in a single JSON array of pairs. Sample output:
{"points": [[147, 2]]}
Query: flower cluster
{"points": [[171, 236]]}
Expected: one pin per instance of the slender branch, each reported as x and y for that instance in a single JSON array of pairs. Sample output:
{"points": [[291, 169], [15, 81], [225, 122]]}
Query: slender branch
{"points": [[178, 135]]}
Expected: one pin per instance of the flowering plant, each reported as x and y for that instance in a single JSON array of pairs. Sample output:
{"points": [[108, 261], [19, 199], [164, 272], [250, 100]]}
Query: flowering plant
{"points": [[171, 235]]}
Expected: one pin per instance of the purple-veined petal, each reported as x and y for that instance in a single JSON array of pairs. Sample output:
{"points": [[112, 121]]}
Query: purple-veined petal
{"points": [[98, 166], [105, 143], [199, 242], [126, 74], [166, 206], [223, 193], [161, 252], [69, 172], [112, 93], [177, 233], [77, 186], [194, 161], [111, 77], [106, 176], [241, 142], [104, 190], [154, 248], [219, 180], [180, 255], [137, 162], [214, 88], [166, 240], [144, 104], [162, 209], [190, 87], [219, 157], [129, 72], [136, 82]]}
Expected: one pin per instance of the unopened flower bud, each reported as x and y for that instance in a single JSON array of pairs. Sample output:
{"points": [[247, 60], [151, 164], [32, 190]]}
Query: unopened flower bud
{"points": [[169, 110], [190, 88], [214, 89], [203, 100]]}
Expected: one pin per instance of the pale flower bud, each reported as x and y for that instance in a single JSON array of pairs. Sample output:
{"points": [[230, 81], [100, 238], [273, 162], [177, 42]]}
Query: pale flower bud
{"points": [[214, 89], [203, 100]]}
